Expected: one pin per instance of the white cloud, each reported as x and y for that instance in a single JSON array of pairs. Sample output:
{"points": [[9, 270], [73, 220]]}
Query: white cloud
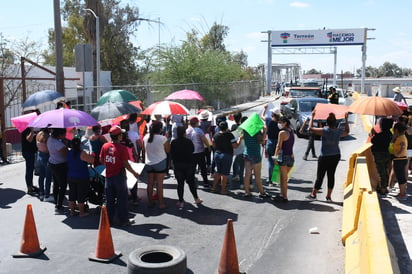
{"points": [[299, 5]]}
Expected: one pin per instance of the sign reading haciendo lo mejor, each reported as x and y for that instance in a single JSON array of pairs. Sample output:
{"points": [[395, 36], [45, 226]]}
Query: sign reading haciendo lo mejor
{"points": [[328, 37]]}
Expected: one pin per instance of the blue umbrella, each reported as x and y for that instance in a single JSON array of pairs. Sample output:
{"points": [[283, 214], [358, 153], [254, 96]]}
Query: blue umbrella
{"points": [[42, 98]]}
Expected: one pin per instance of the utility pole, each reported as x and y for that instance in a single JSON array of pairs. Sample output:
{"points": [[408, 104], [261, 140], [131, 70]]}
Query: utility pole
{"points": [[59, 48]]}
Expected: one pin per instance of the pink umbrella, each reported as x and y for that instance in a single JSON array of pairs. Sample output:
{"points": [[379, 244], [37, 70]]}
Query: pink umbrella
{"points": [[165, 108], [21, 122], [185, 94]]}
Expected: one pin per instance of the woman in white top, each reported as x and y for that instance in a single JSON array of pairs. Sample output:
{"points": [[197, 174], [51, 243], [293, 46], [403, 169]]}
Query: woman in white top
{"points": [[155, 148]]}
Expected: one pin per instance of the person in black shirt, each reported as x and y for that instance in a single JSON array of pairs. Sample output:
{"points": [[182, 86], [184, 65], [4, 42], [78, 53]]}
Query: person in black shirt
{"points": [[181, 150], [272, 138], [223, 142], [380, 144], [28, 150]]}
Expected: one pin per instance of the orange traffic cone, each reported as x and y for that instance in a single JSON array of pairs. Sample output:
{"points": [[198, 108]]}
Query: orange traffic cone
{"points": [[30, 246], [104, 248], [228, 258]]}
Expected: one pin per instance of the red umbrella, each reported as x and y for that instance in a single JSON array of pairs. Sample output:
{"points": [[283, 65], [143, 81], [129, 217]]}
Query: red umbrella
{"points": [[402, 105], [165, 108], [185, 94], [138, 104]]}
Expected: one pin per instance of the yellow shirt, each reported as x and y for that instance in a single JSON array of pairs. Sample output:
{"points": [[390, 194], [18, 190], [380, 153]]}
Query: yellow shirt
{"points": [[400, 146]]}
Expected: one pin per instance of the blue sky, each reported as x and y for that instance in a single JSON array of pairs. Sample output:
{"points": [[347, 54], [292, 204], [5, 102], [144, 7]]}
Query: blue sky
{"points": [[246, 20]]}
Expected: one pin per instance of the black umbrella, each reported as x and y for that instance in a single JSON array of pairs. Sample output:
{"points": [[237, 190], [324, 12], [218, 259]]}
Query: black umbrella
{"points": [[112, 110]]}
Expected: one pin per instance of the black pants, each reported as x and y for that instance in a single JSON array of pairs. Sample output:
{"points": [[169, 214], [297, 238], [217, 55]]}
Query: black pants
{"points": [[185, 172], [311, 145], [200, 160], [59, 173], [327, 164]]}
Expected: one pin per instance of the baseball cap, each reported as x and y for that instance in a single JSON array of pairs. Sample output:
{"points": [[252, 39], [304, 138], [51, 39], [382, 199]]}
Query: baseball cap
{"points": [[116, 130]]}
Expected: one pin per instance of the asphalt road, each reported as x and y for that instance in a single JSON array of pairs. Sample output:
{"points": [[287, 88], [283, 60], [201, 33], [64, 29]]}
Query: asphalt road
{"points": [[270, 237]]}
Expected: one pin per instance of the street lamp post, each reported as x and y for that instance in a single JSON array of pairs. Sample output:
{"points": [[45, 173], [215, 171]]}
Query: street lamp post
{"points": [[97, 52]]}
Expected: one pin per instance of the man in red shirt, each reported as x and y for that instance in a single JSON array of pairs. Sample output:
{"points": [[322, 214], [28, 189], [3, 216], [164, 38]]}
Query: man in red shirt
{"points": [[115, 157]]}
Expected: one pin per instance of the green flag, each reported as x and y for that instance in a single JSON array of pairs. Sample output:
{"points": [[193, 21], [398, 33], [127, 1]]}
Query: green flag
{"points": [[253, 124]]}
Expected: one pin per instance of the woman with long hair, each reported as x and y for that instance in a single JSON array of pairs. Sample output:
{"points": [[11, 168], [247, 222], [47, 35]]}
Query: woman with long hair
{"points": [[329, 154], [284, 156], [58, 165], [155, 148]]}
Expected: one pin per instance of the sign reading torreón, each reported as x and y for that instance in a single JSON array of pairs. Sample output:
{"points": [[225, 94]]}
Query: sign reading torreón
{"points": [[327, 37]]}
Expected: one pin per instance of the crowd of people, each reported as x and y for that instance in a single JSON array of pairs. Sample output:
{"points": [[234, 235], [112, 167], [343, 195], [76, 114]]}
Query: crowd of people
{"points": [[217, 148]]}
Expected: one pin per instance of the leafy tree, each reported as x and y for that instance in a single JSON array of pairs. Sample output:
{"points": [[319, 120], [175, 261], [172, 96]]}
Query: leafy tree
{"points": [[214, 38], [313, 71], [389, 70], [117, 24], [10, 66]]}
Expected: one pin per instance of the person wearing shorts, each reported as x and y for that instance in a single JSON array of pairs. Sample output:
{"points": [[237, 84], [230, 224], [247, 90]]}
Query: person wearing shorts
{"points": [[284, 156], [253, 160], [156, 146], [223, 143]]}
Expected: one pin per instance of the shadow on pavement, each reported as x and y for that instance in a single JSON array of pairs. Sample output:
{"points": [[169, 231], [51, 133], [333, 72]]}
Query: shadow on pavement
{"points": [[148, 230], [9, 196], [396, 242]]}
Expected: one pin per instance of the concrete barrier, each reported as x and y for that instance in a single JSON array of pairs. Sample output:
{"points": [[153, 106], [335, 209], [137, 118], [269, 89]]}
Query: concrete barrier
{"points": [[366, 250], [363, 233], [353, 194], [366, 152]]}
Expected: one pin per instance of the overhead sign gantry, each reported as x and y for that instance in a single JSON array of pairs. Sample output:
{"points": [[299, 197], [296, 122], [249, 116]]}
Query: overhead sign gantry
{"points": [[316, 38]]}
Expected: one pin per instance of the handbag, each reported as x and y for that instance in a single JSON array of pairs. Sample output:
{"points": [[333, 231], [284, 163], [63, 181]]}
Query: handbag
{"points": [[276, 174]]}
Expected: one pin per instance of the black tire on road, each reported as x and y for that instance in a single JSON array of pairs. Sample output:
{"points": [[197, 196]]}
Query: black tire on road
{"points": [[157, 259]]}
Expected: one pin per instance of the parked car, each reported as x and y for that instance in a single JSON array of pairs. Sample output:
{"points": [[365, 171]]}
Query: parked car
{"points": [[296, 92], [300, 109]]}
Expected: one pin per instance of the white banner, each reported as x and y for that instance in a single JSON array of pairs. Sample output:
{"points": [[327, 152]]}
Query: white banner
{"points": [[329, 37]]}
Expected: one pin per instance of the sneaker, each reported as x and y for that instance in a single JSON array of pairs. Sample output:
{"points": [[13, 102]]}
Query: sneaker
{"points": [[41, 197], [279, 198], [305, 157], [402, 197], [247, 195], [328, 199], [180, 204], [264, 195], [236, 178], [311, 197], [49, 199], [198, 201], [314, 156], [128, 222]]}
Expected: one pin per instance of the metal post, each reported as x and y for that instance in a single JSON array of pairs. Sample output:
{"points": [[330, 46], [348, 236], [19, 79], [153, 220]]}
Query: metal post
{"points": [[334, 65], [363, 63], [59, 48], [269, 68], [98, 91], [2, 120]]}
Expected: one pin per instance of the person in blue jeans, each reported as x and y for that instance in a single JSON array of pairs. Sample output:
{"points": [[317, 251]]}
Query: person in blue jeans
{"points": [[43, 156]]}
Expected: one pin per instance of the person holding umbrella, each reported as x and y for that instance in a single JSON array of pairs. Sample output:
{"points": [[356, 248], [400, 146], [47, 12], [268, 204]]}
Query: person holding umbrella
{"points": [[28, 150], [115, 157], [58, 165]]}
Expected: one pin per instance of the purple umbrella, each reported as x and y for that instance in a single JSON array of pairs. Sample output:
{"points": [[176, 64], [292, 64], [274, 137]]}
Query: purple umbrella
{"points": [[63, 118]]}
